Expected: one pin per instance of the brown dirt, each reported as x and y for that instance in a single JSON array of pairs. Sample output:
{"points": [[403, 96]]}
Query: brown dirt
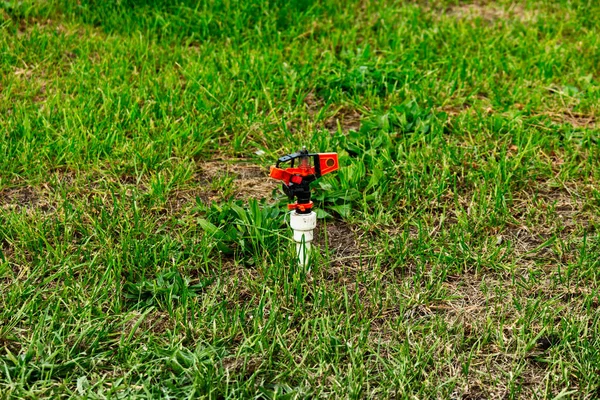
{"points": [[12, 345], [313, 104], [21, 198], [348, 119], [347, 256], [339, 238], [247, 181]]}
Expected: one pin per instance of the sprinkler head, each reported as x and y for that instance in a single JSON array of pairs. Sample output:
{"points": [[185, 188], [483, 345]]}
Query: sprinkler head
{"points": [[296, 179]]}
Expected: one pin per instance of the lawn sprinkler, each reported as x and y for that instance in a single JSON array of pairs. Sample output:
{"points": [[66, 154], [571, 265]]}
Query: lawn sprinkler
{"points": [[296, 184]]}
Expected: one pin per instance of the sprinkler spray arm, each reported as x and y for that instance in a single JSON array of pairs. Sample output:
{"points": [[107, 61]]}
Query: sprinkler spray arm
{"points": [[297, 179]]}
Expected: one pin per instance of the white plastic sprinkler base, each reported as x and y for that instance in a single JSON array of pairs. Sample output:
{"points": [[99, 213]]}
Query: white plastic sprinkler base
{"points": [[303, 225]]}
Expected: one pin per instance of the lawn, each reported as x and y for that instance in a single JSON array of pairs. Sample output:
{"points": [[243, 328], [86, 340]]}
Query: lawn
{"points": [[143, 247]]}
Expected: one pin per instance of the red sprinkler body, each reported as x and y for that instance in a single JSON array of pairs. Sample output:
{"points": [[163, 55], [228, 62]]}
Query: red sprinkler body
{"points": [[296, 180], [296, 184]]}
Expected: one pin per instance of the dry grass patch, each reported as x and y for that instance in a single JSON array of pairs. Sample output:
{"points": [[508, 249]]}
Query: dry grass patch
{"points": [[488, 369], [492, 376], [559, 216], [27, 198], [221, 179], [577, 120], [491, 12], [248, 180]]}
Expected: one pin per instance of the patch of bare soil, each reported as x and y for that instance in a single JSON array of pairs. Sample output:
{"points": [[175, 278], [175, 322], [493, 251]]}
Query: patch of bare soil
{"points": [[529, 244], [469, 303], [562, 116], [339, 238], [22, 198], [7, 249], [181, 199], [45, 197], [313, 104], [346, 117], [348, 255], [12, 345]]}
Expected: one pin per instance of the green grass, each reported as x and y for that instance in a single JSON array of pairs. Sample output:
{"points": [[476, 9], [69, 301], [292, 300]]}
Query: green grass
{"points": [[458, 254]]}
